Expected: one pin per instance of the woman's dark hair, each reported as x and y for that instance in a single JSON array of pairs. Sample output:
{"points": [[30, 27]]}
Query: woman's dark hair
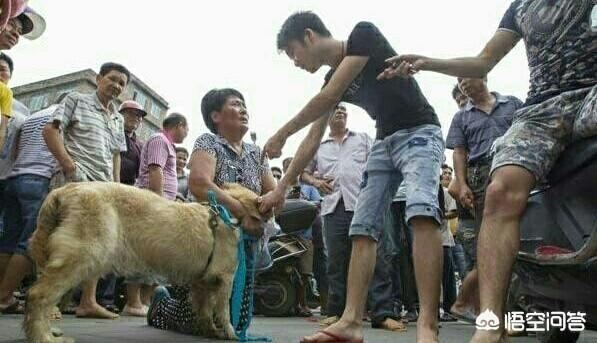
{"points": [[109, 66], [172, 120], [213, 101], [181, 149], [4, 57], [294, 28]]}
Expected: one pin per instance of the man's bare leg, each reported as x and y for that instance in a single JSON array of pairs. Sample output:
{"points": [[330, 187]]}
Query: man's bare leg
{"points": [[427, 259], [88, 306], [360, 272], [468, 299], [134, 306], [147, 294], [18, 267], [499, 241]]}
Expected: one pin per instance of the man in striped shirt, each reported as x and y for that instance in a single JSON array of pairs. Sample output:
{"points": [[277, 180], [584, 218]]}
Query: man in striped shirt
{"points": [[27, 186], [158, 157], [86, 136]]}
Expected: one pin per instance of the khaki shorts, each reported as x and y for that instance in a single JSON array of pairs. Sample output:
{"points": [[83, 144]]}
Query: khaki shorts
{"points": [[540, 132]]}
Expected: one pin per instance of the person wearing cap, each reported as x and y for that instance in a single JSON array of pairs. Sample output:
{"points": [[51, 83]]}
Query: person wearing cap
{"points": [[133, 115]]}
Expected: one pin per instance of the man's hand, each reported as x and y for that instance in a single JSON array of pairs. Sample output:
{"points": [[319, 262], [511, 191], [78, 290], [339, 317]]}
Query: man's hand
{"points": [[273, 200], [5, 100], [69, 169], [324, 185], [403, 66], [273, 147], [465, 196]]}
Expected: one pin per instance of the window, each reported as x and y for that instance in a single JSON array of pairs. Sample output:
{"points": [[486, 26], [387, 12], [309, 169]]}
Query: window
{"points": [[156, 111], [140, 98], [37, 103]]}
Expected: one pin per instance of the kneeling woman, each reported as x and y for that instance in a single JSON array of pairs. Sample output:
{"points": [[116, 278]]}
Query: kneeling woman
{"points": [[219, 157]]}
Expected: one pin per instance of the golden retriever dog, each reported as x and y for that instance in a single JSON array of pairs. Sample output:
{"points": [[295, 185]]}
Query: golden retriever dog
{"points": [[85, 230]]}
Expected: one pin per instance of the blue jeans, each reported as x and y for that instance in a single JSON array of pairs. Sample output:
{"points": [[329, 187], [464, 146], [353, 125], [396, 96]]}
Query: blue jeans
{"points": [[414, 155], [459, 260], [23, 197]]}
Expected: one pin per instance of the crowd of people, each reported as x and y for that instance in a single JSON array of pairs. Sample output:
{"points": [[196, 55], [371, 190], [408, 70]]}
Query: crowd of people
{"points": [[400, 235]]}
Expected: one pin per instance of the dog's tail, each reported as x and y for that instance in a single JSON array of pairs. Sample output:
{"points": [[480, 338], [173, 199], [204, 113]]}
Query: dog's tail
{"points": [[47, 220]]}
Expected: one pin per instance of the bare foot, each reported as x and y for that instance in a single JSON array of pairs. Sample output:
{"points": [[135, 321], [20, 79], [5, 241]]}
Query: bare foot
{"points": [[490, 337], [95, 311], [134, 311], [427, 333], [341, 331]]}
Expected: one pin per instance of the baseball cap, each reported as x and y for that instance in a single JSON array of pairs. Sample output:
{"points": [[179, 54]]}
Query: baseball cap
{"points": [[133, 105], [34, 24]]}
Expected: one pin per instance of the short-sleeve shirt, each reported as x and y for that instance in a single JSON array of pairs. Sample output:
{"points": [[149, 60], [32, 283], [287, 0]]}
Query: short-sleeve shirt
{"points": [[7, 157], [476, 130], [245, 169], [394, 104], [92, 134], [345, 162], [561, 49], [159, 151], [33, 156]]}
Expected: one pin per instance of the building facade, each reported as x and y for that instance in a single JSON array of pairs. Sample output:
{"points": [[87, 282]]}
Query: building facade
{"points": [[40, 94]]}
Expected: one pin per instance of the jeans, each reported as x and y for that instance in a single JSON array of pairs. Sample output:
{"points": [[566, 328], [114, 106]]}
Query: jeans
{"points": [[411, 155], [336, 227], [2, 202], [403, 235], [23, 197], [448, 280], [459, 260]]}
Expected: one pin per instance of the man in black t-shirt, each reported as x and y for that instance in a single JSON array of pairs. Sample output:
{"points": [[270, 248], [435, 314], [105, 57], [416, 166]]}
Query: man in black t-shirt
{"points": [[408, 146], [561, 107]]}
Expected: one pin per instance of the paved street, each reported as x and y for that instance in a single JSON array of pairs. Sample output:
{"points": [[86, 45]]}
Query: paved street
{"points": [[280, 329]]}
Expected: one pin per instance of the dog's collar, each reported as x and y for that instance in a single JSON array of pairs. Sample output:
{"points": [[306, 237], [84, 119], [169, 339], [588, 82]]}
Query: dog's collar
{"points": [[219, 210]]}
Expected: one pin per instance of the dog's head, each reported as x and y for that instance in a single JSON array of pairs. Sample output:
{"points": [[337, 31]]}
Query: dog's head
{"points": [[249, 201]]}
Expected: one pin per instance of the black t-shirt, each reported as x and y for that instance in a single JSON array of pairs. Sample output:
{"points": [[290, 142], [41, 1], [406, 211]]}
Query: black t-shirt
{"points": [[561, 49], [394, 104]]}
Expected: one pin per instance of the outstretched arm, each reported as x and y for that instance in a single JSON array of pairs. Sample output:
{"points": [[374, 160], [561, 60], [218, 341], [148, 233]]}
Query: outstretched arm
{"points": [[319, 105], [475, 67], [303, 156]]}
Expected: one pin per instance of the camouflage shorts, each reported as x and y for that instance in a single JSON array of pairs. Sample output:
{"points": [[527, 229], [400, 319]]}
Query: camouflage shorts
{"points": [[540, 132]]}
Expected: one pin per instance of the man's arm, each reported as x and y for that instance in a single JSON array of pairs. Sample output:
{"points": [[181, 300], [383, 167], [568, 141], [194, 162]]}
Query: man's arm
{"points": [[116, 167], [465, 195], [156, 179], [320, 184], [303, 155], [52, 137], [320, 104], [479, 66], [3, 130]]}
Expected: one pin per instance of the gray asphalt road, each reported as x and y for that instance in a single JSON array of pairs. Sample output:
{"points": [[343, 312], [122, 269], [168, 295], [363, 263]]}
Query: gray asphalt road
{"points": [[128, 329]]}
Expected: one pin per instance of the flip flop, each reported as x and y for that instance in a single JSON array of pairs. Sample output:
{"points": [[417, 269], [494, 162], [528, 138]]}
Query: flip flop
{"points": [[467, 317], [335, 339]]}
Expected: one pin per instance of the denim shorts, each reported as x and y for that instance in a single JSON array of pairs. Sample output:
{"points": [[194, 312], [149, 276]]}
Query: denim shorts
{"points": [[23, 197], [414, 155]]}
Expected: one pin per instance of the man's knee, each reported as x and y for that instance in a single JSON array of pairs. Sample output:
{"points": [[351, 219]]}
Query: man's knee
{"points": [[505, 199]]}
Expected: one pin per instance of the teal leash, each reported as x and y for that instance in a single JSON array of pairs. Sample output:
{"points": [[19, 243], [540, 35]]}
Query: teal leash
{"points": [[240, 284]]}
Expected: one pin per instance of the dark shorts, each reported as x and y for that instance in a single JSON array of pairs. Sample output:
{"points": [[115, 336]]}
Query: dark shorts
{"points": [[540, 132], [23, 198]]}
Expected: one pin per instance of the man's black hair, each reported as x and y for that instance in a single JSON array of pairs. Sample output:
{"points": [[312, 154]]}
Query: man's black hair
{"points": [[445, 166], [4, 57], [109, 66], [455, 91], [181, 149], [276, 169], [294, 28], [172, 120], [213, 101]]}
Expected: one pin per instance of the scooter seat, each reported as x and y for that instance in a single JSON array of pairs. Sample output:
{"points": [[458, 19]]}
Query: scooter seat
{"points": [[574, 157]]}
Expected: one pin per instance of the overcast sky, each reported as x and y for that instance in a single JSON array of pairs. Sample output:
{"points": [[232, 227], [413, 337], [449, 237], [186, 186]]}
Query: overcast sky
{"points": [[182, 49]]}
